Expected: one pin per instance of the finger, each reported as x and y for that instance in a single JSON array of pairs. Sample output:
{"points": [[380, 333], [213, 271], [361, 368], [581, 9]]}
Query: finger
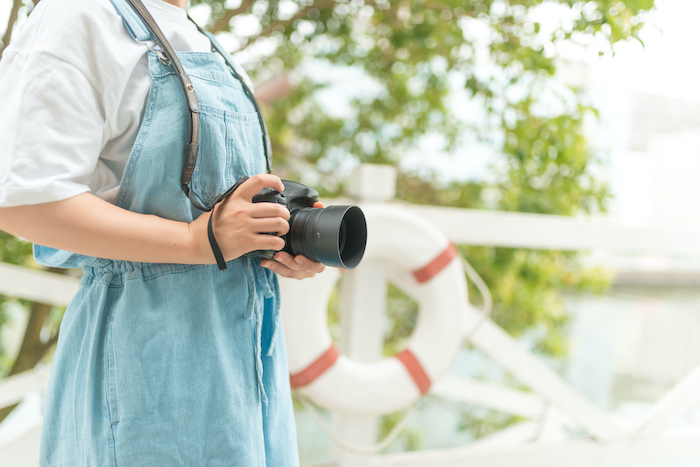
{"points": [[308, 265], [262, 210], [288, 260], [265, 241], [318, 204], [270, 225], [285, 271], [254, 184]]}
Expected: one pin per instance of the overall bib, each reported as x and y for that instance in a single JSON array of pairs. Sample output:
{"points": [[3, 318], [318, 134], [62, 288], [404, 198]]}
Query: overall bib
{"points": [[172, 364]]}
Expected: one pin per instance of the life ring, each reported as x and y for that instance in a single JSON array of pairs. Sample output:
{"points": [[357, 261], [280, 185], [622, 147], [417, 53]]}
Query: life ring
{"points": [[424, 264]]}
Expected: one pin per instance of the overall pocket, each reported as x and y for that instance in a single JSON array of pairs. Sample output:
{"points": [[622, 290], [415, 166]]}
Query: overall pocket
{"points": [[230, 146]]}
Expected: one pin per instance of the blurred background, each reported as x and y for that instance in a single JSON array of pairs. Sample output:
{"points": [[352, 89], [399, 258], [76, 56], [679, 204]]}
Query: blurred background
{"points": [[585, 109]]}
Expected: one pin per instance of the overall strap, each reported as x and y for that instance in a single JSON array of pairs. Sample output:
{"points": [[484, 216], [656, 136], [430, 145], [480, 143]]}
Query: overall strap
{"points": [[137, 29], [139, 22], [142, 27]]}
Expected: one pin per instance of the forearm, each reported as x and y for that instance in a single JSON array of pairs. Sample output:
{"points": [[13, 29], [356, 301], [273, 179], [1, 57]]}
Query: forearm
{"points": [[87, 225]]}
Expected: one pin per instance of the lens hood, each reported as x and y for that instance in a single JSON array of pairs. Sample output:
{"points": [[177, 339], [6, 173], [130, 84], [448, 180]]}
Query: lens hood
{"points": [[335, 236]]}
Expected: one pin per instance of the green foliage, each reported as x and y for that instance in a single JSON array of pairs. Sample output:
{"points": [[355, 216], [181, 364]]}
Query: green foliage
{"points": [[13, 251], [526, 287], [4, 357], [482, 422], [548, 166], [428, 190], [402, 314], [411, 54], [410, 439]]}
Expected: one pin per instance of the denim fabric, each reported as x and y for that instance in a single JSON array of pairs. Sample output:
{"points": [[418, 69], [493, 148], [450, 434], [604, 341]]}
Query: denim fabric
{"points": [[170, 364]]}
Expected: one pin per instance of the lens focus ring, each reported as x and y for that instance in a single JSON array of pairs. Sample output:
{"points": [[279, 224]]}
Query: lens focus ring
{"points": [[310, 233]]}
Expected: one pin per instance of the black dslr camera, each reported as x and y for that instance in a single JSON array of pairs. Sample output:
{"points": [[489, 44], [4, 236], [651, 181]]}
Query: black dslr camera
{"points": [[335, 236]]}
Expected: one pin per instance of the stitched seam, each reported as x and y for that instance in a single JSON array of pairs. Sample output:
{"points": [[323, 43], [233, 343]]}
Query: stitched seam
{"points": [[114, 443], [229, 84], [149, 278], [111, 394], [207, 109]]}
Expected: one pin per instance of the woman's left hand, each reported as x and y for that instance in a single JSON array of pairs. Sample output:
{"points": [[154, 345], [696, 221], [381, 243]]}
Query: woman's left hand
{"points": [[299, 267]]}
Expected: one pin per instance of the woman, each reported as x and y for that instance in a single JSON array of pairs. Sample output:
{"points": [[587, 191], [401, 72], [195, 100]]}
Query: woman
{"points": [[162, 359]]}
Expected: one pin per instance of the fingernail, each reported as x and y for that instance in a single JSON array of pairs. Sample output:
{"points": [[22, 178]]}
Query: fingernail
{"points": [[299, 260], [279, 258], [265, 264]]}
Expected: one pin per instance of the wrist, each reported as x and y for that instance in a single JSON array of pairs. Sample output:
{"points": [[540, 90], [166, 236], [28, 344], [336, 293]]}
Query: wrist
{"points": [[197, 248]]}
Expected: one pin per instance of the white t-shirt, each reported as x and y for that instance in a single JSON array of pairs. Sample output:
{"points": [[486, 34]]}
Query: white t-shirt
{"points": [[73, 88]]}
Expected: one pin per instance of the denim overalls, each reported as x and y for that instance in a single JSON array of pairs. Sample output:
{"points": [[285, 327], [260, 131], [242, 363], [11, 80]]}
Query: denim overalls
{"points": [[172, 364]]}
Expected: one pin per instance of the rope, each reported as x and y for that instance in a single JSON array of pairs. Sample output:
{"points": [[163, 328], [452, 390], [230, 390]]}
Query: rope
{"points": [[398, 428], [371, 449], [485, 295]]}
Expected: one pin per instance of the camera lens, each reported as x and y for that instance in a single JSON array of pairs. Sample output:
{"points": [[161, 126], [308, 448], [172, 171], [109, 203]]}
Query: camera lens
{"points": [[341, 240], [335, 236]]}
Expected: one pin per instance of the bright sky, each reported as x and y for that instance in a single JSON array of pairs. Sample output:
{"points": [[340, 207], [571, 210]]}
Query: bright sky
{"points": [[669, 63]]}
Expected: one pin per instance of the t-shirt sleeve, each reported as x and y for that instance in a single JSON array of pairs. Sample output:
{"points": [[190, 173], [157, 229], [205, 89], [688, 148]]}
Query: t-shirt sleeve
{"points": [[51, 129]]}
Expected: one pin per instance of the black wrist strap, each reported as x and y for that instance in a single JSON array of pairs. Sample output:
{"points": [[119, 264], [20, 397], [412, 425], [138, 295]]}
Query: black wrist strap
{"points": [[220, 261], [215, 246]]}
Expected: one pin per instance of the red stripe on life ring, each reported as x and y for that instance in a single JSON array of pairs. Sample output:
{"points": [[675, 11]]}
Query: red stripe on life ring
{"points": [[315, 369], [415, 369], [431, 269]]}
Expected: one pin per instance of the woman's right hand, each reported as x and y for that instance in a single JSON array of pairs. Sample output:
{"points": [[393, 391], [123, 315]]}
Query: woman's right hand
{"points": [[90, 226], [240, 226]]}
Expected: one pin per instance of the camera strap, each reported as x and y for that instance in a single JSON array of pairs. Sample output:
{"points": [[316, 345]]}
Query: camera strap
{"points": [[220, 261], [167, 56]]}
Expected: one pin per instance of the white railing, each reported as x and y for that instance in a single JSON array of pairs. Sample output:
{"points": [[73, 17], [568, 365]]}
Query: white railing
{"points": [[553, 406], [550, 407], [22, 449]]}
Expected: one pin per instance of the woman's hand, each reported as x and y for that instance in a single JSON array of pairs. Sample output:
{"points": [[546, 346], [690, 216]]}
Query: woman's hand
{"points": [[299, 267], [90, 226], [241, 226]]}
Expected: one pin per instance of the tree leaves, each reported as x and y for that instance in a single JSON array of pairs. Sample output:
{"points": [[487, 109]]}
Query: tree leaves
{"points": [[401, 60]]}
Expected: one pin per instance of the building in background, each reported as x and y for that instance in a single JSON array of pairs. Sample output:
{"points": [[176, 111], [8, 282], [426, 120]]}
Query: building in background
{"points": [[634, 344]]}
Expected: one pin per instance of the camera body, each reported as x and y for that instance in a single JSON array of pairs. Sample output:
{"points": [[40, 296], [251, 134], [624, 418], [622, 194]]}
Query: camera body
{"points": [[335, 236], [295, 196]]}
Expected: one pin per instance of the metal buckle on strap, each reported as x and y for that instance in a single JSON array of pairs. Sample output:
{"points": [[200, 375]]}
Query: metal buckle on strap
{"points": [[161, 55]]}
